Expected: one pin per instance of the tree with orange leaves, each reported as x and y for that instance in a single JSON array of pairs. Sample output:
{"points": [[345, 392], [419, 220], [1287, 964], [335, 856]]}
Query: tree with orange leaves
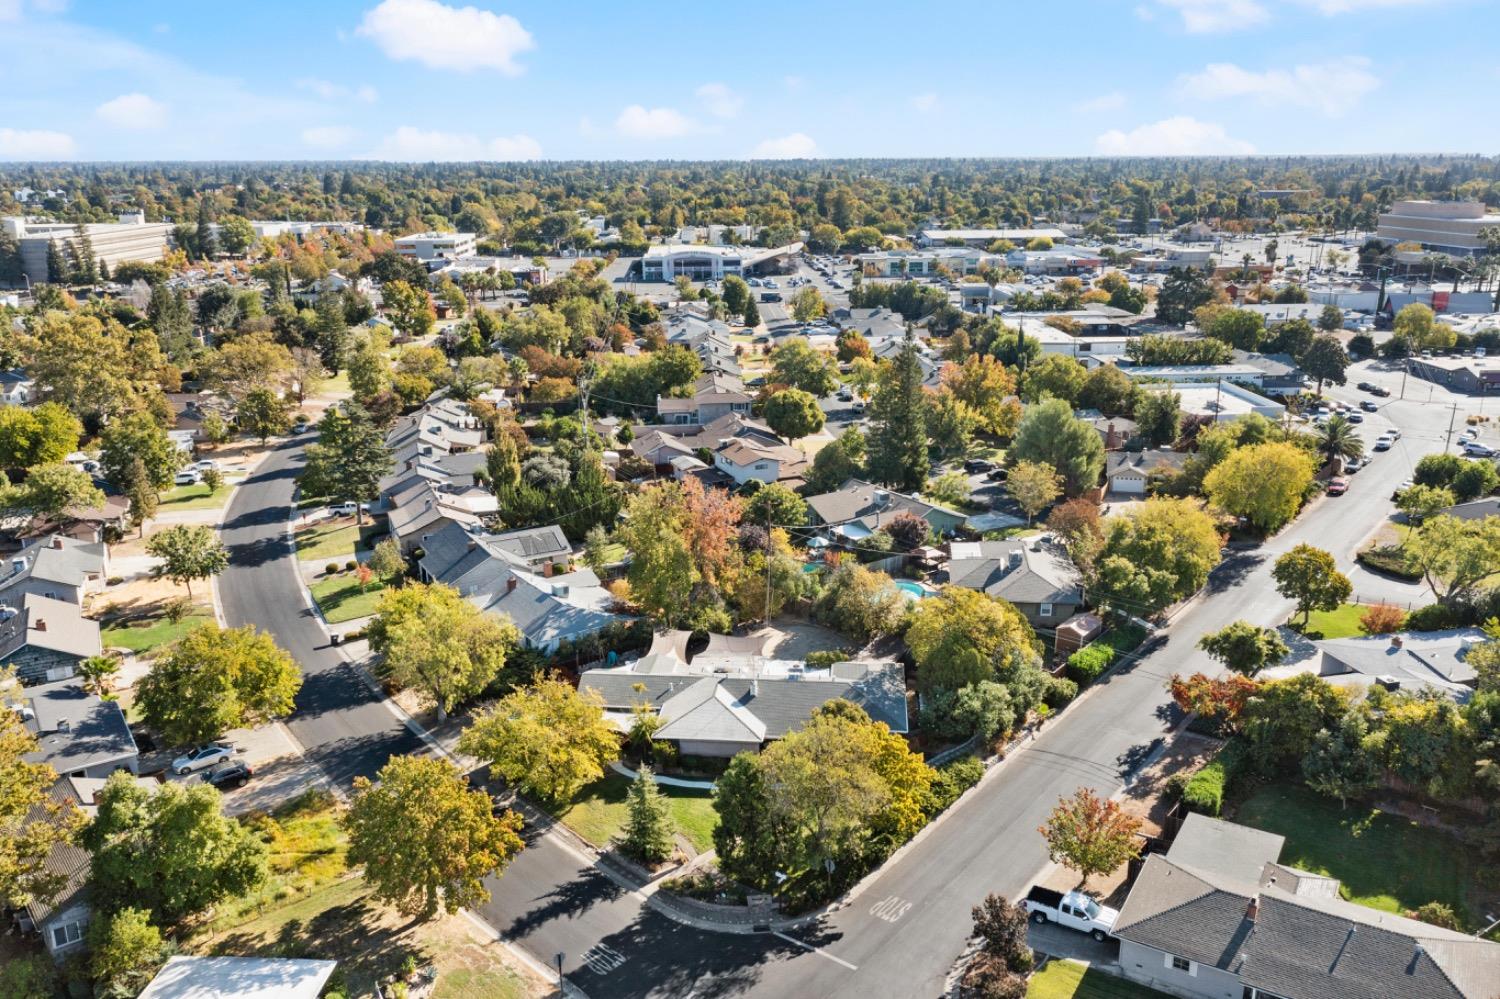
{"points": [[1218, 699]]}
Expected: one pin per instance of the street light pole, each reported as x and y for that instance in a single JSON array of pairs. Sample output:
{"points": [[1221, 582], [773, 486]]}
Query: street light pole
{"points": [[559, 959]]}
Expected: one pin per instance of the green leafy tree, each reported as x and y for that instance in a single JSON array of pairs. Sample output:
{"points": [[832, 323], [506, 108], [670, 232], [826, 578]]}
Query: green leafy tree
{"points": [[898, 435], [798, 366], [983, 384], [138, 435], [748, 838], [1331, 319], [859, 602], [263, 413], [143, 497], [777, 505], [409, 308], [807, 304], [1034, 485], [1419, 502], [213, 680], [1158, 416], [837, 463], [32, 824], [1109, 390], [188, 552], [736, 294], [1281, 721], [1326, 360], [1185, 290], [51, 490], [1001, 929], [1156, 555], [40, 435], [430, 638], [959, 636], [546, 739], [349, 459], [751, 315], [1337, 439], [1090, 834], [1340, 763], [1057, 376], [1455, 556], [648, 823], [31, 976], [386, 561], [426, 839], [1244, 647], [1240, 328], [170, 851], [1049, 434], [125, 952], [1311, 577], [1263, 482], [794, 414]]}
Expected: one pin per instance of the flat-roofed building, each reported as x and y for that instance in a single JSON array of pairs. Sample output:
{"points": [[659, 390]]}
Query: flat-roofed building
{"points": [[113, 243], [425, 246], [1449, 226], [984, 237], [709, 263]]}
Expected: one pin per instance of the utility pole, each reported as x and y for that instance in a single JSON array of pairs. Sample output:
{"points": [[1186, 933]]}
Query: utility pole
{"points": [[1405, 369], [1452, 415]]}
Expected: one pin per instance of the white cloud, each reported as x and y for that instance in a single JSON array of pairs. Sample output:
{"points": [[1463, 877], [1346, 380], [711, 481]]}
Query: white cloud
{"points": [[1112, 101], [924, 102], [35, 144], [793, 82], [653, 123], [1179, 136], [330, 91], [328, 136], [720, 100], [1212, 16], [137, 112], [10, 10], [443, 37], [797, 146], [1331, 87], [415, 144]]}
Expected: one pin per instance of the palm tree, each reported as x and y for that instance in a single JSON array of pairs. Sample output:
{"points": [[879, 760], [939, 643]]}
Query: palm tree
{"points": [[1337, 439]]}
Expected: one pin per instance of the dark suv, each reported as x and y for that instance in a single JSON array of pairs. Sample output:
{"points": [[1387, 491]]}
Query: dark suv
{"points": [[234, 774]]}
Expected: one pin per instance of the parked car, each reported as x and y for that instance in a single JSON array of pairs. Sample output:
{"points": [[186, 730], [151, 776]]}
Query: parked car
{"points": [[1355, 464], [975, 465], [207, 464], [1366, 387], [1368, 406], [999, 474], [1382, 392], [1403, 487], [1338, 486], [204, 756], [1075, 910], [1394, 433], [1355, 417], [1382, 444], [348, 509], [234, 774], [1474, 449], [186, 477]]}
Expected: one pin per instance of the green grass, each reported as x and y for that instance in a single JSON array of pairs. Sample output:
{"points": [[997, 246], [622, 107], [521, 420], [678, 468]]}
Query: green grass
{"points": [[341, 599], [308, 850], [1384, 861], [194, 497], [614, 552], [598, 814], [1340, 623], [146, 634], [334, 542], [1014, 531], [1071, 980]]}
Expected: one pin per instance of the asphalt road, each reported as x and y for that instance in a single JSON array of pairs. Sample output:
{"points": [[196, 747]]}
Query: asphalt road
{"points": [[900, 936]]}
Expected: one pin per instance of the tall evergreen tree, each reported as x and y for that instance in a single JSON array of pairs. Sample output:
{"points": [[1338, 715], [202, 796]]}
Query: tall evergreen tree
{"points": [[648, 826], [87, 265], [58, 271], [898, 435], [332, 336], [207, 239], [349, 459], [10, 259], [169, 315]]}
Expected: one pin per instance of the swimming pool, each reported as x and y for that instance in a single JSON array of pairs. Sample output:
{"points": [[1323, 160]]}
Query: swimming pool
{"points": [[913, 591]]}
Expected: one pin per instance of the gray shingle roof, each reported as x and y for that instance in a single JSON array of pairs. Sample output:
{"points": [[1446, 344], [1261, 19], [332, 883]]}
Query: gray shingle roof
{"points": [[858, 499], [76, 730], [1021, 570]]}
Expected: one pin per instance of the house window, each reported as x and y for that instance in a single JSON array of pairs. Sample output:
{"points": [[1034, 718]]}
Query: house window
{"points": [[1182, 964], [67, 933], [1046, 610]]}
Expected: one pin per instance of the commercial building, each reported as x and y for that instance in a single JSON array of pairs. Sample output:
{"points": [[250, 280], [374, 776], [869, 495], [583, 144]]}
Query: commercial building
{"points": [[1446, 226], [272, 229], [1474, 375], [984, 237], [114, 243], [1221, 401], [710, 263], [425, 246]]}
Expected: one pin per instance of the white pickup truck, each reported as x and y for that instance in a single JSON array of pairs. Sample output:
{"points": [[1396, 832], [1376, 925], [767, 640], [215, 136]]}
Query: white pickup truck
{"points": [[1075, 910]]}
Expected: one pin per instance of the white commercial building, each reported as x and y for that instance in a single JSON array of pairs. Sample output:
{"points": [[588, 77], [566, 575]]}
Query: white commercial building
{"points": [[1446, 226], [272, 229], [132, 238], [708, 263], [984, 237], [1220, 401], [425, 246]]}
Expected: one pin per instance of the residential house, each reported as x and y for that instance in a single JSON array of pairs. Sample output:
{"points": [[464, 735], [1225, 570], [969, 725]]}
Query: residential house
{"points": [[516, 575], [88, 524], [427, 506], [77, 733], [661, 445], [746, 458], [185, 977], [1129, 472], [1412, 661], [858, 509], [62, 919], [17, 388], [734, 696], [1279, 373], [878, 323], [57, 567], [709, 339], [46, 639], [1476, 509], [435, 475], [1114, 431], [1033, 574], [714, 395], [1217, 917]]}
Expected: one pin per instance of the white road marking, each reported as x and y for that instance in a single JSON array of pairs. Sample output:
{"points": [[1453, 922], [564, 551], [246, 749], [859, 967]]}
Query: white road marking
{"points": [[816, 950], [891, 908], [601, 960]]}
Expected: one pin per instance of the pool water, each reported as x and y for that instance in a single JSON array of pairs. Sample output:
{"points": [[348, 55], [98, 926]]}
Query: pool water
{"points": [[915, 591]]}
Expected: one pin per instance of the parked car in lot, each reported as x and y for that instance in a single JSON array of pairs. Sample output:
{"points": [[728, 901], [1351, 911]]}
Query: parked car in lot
{"points": [[233, 774], [1355, 417], [1369, 407], [204, 756], [1474, 449], [186, 477], [1338, 486], [1075, 910], [976, 465], [1382, 392], [1382, 444]]}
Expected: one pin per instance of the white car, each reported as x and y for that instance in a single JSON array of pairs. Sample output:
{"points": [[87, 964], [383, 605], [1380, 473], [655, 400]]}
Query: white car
{"points": [[203, 756], [1474, 449], [186, 477], [349, 509], [205, 465]]}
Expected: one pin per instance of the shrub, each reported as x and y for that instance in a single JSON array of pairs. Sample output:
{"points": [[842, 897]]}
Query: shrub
{"points": [[1382, 619], [1389, 559], [1058, 692], [331, 568], [351, 565], [1089, 663], [826, 657], [1204, 791], [954, 778], [1437, 914], [1434, 617]]}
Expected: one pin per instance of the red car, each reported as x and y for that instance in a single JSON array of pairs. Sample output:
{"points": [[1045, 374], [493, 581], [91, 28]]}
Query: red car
{"points": [[1338, 486]]}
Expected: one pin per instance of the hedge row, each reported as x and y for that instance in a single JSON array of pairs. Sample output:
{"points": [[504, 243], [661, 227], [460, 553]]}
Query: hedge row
{"points": [[1089, 663]]}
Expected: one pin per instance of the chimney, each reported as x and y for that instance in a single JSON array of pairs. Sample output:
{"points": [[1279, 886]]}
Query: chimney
{"points": [[41, 624], [754, 688], [1252, 910], [547, 569], [57, 542], [1395, 643], [510, 584]]}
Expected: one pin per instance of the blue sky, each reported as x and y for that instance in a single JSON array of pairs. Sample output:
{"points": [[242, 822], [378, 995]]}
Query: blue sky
{"points": [[440, 80]]}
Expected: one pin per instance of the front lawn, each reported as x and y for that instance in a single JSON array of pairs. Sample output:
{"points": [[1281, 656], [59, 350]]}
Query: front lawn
{"points": [[337, 540], [598, 813], [1340, 623], [1071, 980], [1384, 861], [341, 598], [308, 851], [147, 633], [194, 497]]}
